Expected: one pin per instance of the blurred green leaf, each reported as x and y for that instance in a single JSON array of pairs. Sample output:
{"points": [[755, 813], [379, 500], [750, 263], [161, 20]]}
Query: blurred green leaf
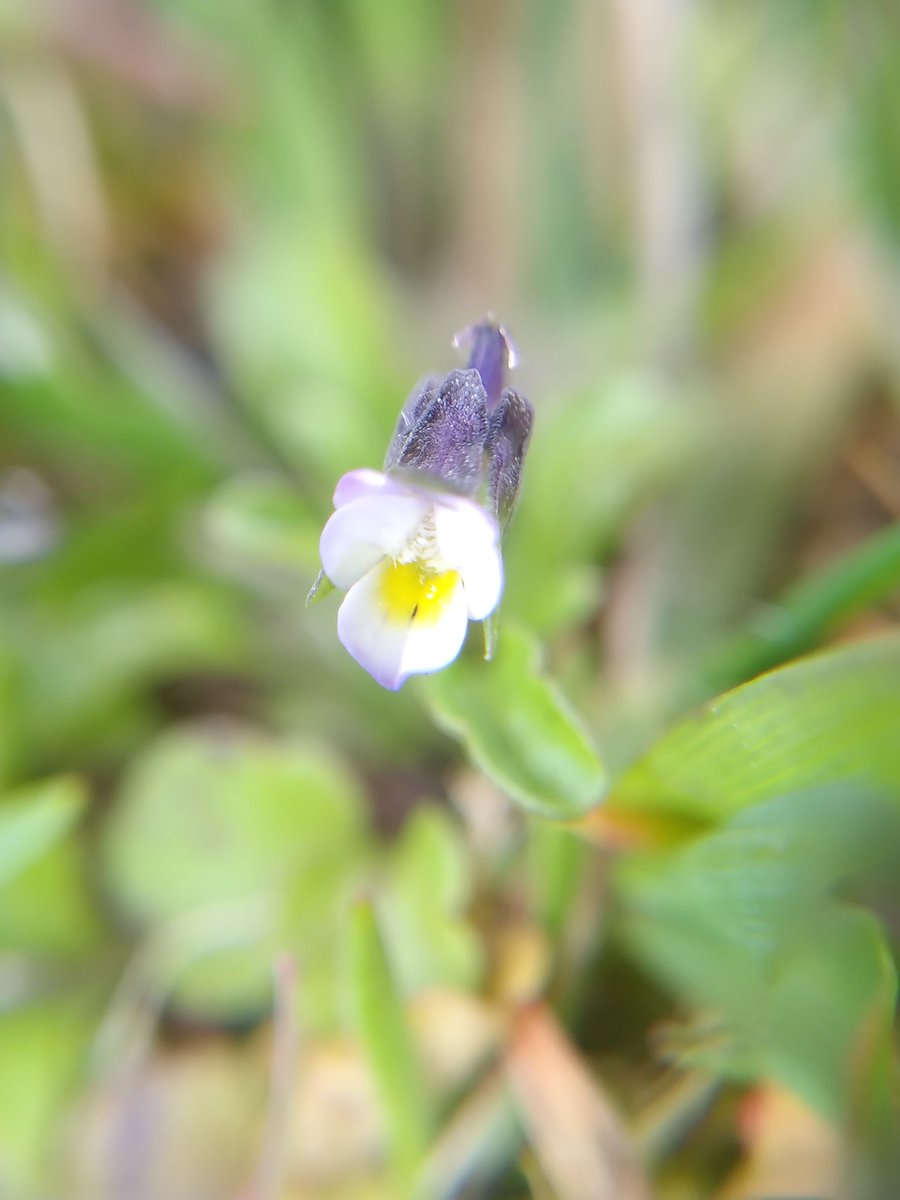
{"points": [[807, 612], [380, 1021], [217, 837], [427, 886], [592, 464], [519, 728], [209, 813], [555, 859], [721, 531], [10, 713], [741, 922], [88, 663], [100, 545], [83, 410], [855, 49], [832, 717], [259, 521], [47, 908], [34, 820], [42, 1050], [218, 969], [299, 317]]}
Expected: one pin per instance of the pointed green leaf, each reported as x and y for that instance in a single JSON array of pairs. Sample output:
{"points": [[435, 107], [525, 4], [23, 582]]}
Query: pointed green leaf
{"points": [[832, 717]]}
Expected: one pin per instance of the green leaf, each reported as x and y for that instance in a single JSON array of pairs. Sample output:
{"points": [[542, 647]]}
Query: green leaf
{"points": [[832, 717], [323, 389], [43, 1048], [555, 859], [519, 728], [47, 908], [741, 923], [427, 886], [867, 574], [34, 821], [10, 716], [80, 674], [227, 845], [210, 813], [380, 1021]]}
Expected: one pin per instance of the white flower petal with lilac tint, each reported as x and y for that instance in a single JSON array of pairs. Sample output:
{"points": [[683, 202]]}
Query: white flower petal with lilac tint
{"points": [[393, 645], [483, 584], [361, 532], [469, 542], [365, 482]]}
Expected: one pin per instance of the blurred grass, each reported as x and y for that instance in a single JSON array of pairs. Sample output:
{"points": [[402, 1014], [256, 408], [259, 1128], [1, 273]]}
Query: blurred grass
{"points": [[231, 238]]}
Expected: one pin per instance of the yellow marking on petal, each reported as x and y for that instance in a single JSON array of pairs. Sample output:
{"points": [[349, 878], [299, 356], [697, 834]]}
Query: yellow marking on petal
{"points": [[411, 593]]}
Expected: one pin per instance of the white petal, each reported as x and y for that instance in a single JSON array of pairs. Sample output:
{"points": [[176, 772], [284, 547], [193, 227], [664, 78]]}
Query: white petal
{"points": [[469, 542], [362, 532], [363, 482], [390, 649]]}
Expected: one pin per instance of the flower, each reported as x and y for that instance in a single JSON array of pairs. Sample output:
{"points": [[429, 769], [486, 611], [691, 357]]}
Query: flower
{"points": [[418, 563], [417, 546]]}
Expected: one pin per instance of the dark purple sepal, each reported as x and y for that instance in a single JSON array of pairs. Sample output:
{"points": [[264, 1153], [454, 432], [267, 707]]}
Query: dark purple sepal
{"points": [[419, 398], [508, 434], [443, 430]]}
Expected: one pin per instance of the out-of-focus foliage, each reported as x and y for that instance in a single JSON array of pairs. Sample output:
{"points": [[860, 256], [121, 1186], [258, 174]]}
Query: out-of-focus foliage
{"points": [[519, 731], [269, 931]]}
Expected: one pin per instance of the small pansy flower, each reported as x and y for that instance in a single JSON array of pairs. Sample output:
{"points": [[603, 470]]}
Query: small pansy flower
{"points": [[416, 546]]}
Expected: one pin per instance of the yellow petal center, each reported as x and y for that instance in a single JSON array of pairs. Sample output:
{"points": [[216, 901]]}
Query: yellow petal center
{"points": [[411, 593]]}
